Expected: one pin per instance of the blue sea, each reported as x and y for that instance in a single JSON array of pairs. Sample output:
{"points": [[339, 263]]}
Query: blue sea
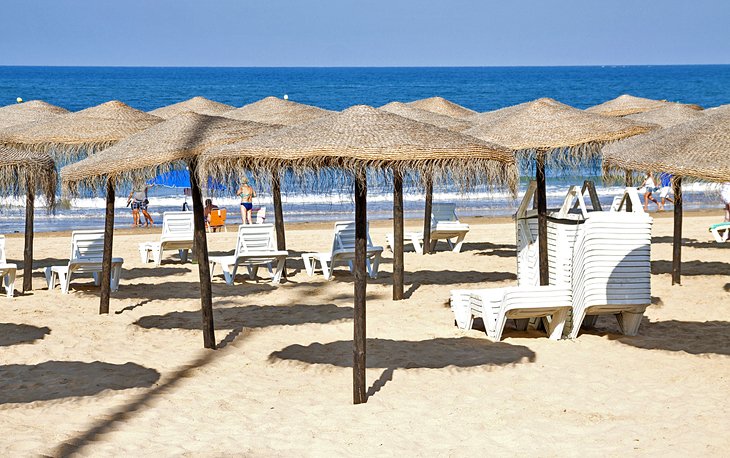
{"points": [[478, 88]]}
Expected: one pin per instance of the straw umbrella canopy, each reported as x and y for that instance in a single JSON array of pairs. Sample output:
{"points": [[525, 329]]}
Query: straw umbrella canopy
{"points": [[358, 139], [197, 104], [273, 110], [172, 144], [626, 104], [31, 111], [440, 105], [427, 117], [697, 149], [548, 130], [88, 130], [27, 172], [667, 116]]}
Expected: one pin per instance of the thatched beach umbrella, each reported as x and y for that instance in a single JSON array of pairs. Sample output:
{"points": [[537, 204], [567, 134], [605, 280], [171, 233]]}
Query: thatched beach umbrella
{"points": [[25, 172], [26, 112], [668, 115], [550, 131], [85, 131], [173, 144], [273, 110], [358, 139], [439, 120], [197, 104], [626, 104], [440, 105], [697, 149]]}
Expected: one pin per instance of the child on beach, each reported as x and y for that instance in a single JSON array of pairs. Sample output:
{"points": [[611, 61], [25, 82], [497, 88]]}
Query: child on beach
{"points": [[666, 187], [648, 186], [246, 193]]}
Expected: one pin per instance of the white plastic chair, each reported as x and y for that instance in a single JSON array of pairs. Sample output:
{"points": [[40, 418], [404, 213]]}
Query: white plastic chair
{"points": [[445, 225], [721, 231], [255, 246], [87, 252], [8, 271], [343, 250], [177, 234]]}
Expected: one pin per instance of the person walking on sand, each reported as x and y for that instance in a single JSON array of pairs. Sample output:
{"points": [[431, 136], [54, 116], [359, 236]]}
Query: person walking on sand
{"points": [[666, 187], [648, 186], [246, 193], [138, 199]]}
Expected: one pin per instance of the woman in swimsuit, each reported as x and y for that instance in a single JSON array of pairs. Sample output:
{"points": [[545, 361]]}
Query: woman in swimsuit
{"points": [[649, 187], [246, 193]]}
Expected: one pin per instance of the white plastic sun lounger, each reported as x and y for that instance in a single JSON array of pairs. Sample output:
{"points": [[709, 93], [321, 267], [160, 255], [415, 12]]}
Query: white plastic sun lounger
{"points": [[177, 234], [255, 247], [445, 225], [87, 251], [721, 231], [7, 271], [520, 303], [343, 251]]}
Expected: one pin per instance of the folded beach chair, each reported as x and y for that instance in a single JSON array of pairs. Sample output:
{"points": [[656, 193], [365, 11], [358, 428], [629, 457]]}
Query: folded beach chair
{"points": [[444, 226], [177, 234], [255, 247], [343, 250], [87, 251], [721, 231], [612, 269], [7, 271], [217, 220]]}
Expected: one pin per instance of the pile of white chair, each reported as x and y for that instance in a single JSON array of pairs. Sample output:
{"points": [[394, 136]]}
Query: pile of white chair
{"points": [[599, 264]]}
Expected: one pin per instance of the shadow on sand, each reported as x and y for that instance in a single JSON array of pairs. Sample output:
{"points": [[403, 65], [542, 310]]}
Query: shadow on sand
{"points": [[405, 354], [250, 316], [692, 267], [62, 379], [692, 337], [13, 334]]}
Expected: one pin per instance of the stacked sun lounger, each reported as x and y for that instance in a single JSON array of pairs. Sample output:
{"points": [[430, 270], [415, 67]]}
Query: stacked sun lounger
{"points": [[612, 270]]}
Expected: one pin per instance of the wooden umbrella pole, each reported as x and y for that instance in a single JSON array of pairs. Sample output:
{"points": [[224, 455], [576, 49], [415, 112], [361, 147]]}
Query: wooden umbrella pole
{"points": [[106, 261], [427, 217], [28, 249], [361, 223], [677, 241], [398, 266], [278, 213], [200, 248], [541, 197], [629, 183]]}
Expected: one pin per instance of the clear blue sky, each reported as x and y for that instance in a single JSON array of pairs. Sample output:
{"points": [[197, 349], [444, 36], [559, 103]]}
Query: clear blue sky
{"points": [[363, 32]]}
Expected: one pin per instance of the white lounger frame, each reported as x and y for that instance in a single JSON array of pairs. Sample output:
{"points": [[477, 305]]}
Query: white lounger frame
{"points": [[255, 247], [343, 251], [8, 271], [445, 225], [177, 234], [87, 252]]}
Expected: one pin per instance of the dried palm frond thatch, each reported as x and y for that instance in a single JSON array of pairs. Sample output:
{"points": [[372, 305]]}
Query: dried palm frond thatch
{"points": [[626, 104], [161, 148], [198, 104], [667, 116], [440, 105], [697, 149], [26, 112], [428, 117], [85, 131], [362, 138], [21, 168], [273, 110]]}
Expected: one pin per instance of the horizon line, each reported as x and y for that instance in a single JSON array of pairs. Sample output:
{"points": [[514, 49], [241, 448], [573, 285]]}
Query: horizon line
{"points": [[368, 66]]}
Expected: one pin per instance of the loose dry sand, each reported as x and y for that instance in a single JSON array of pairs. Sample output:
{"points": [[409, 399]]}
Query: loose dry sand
{"points": [[138, 382]]}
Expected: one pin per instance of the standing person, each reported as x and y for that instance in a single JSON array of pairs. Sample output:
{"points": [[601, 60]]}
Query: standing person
{"points": [[666, 187], [139, 201], [648, 186], [246, 193], [725, 194], [207, 210]]}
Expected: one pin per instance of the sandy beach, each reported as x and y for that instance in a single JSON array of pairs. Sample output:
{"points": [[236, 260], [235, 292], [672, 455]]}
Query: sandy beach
{"points": [[138, 382]]}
